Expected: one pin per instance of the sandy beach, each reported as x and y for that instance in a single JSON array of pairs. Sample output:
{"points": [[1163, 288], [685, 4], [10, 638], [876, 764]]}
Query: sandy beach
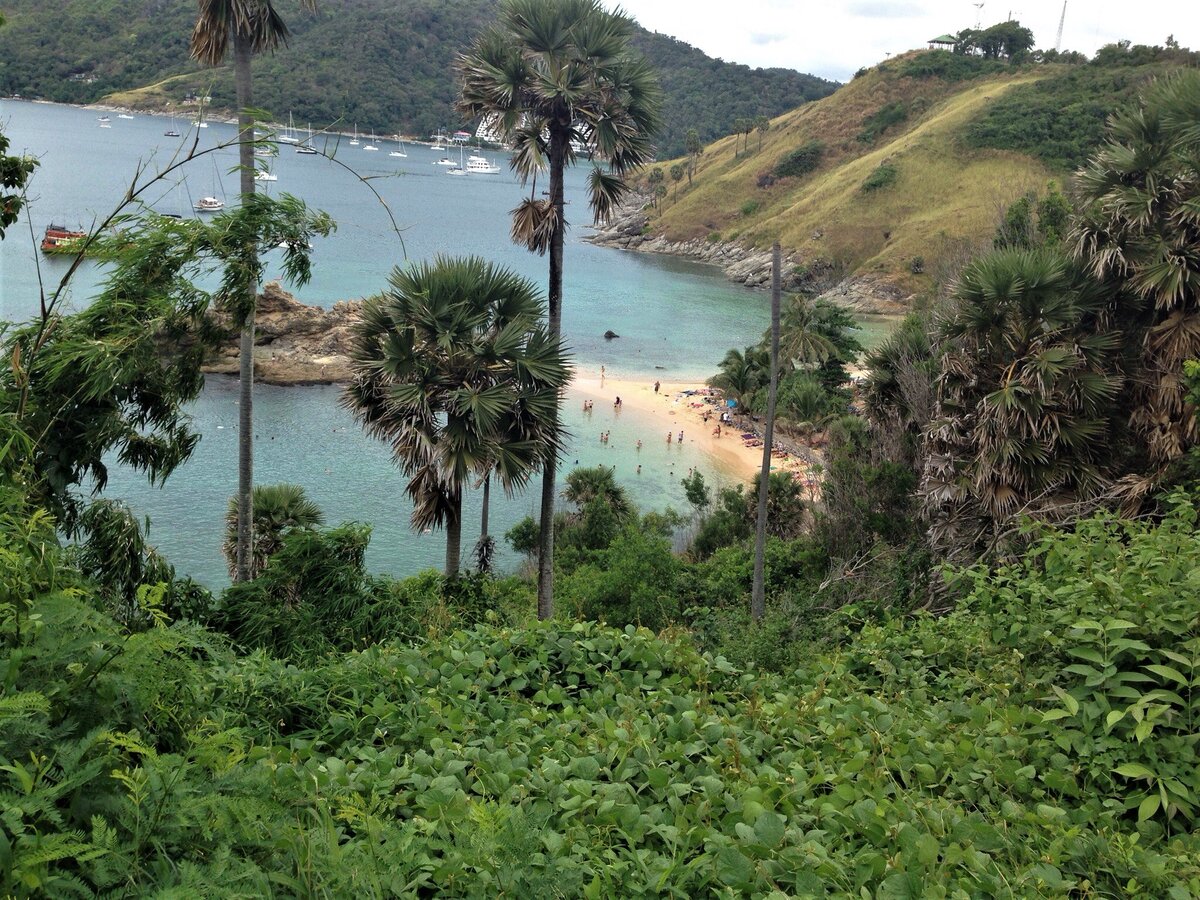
{"points": [[681, 406]]}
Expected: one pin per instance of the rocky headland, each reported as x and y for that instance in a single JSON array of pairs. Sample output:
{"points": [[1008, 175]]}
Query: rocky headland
{"points": [[295, 343], [630, 229]]}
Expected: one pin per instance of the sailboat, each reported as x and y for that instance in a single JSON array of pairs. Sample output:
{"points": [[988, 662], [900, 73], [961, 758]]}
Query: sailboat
{"points": [[371, 144], [307, 148], [460, 169], [289, 133], [399, 151], [172, 131], [354, 140]]}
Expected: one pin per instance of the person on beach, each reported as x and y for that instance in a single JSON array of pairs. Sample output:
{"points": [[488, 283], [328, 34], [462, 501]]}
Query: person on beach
{"points": [[717, 431], [670, 435], [657, 385], [617, 403]]}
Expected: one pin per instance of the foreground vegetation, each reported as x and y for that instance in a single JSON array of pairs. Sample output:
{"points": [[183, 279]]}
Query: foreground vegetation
{"points": [[1037, 741]]}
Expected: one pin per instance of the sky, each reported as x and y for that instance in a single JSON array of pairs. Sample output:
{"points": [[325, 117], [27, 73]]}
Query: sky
{"points": [[835, 38]]}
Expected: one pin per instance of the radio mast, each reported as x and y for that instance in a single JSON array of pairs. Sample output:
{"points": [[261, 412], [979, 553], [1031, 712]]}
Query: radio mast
{"points": [[1061, 20]]}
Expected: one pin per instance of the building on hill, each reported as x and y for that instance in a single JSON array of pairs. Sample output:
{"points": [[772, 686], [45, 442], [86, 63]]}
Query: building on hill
{"points": [[945, 42]]}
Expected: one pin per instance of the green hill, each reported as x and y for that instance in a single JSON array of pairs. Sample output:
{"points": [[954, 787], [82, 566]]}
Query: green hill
{"points": [[909, 166], [385, 66]]}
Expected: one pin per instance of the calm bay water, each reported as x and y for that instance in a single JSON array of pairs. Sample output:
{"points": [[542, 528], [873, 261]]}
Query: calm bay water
{"points": [[675, 318]]}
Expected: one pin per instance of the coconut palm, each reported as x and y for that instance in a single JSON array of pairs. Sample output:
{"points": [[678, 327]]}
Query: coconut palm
{"points": [[278, 509], [741, 373], [802, 341], [252, 26], [1025, 397], [549, 73], [454, 368], [597, 483], [1140, 231]]}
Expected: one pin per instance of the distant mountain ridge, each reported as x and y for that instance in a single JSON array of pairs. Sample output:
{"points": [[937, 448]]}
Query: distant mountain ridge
{"points": [[384, 65]]}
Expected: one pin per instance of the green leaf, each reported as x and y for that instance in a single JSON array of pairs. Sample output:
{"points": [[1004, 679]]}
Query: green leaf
{"points": [[769, 828], [1070, 702], [1148, 807], [1168, 672], [1133, 770], [734, 869]]}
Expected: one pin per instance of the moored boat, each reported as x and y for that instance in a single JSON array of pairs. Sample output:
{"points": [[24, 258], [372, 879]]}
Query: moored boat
{"points": [[209, 204], [478, 165], [59, 239]]}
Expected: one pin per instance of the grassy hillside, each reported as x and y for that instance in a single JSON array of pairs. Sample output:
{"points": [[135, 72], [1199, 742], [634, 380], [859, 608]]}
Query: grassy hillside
{"points": [[385, 66], [913, 160]]}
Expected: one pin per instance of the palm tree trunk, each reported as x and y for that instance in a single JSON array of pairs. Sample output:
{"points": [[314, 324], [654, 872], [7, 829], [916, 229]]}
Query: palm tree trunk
{"points": [[558, 157], [245, 533], [487, 495], [454, 540], [758, 593]]}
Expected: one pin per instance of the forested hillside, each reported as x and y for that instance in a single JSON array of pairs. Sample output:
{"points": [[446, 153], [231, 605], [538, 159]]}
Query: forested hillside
{"points": [[911, 164], [385, 66]]}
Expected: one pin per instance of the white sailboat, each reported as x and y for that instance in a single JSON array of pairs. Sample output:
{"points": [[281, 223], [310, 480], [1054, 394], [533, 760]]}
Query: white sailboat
{"points": [[460, 169], [211, 203], [289, 133], [371, 144], [399, 151], [265, 175], [354, 140], [307, 148]]}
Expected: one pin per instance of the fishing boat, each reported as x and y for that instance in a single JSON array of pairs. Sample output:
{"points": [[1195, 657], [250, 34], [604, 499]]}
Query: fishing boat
{"points": [[209, 204], [399, 151], [478, 165], [58, 239]]}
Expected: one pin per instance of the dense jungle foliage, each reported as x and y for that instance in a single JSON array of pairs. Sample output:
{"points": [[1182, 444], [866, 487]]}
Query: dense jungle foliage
{"points": [[978, 672], [386, 66]]}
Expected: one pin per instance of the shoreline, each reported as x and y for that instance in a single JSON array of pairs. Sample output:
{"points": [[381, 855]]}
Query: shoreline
{"points": [[680, 405]]}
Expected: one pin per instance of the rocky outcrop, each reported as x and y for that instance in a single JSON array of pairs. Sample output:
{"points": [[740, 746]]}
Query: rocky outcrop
{"points": [[295, 343], [629, 229]]}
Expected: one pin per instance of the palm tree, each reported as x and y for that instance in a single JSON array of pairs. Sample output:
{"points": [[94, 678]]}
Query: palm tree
{"points": [[548, 73], [1139, 232], [677, 173], [1025, 398], [597, 483], [253, 26], [802, 342], [278, 508], [763, 124], [741, 373], [454, 369]]}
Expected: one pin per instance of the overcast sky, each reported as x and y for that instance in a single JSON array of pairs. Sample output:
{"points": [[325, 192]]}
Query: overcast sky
{"points": [[834, 38]]}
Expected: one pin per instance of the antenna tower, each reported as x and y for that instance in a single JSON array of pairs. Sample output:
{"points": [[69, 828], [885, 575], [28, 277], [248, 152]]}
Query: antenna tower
{"points": [[978, 14], [1061, 20]]}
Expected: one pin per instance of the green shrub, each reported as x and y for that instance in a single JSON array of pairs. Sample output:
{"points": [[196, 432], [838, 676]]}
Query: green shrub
{"points": [[800, 161], [880, 121], [883, 176], [750, 207]]}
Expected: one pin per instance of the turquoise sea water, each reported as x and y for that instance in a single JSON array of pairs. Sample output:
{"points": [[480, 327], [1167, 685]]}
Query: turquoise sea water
{"points": [[675, 318]]}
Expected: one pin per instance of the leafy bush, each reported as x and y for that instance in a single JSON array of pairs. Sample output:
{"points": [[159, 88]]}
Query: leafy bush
{"points": [[750, 207], [884, 176], [949, 66], [880, 121], [800, 161]]}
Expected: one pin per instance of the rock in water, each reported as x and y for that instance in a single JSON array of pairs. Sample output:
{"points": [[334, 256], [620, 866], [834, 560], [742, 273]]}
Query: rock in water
{"points": [[609, 335]]}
